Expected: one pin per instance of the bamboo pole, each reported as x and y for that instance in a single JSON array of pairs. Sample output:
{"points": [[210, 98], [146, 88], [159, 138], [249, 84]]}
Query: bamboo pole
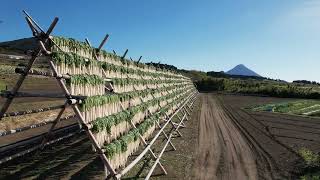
{"points": [[41, 73], [9, 94], [135, 161], [19, 113], [32, 126], [28, 67], [180, 120], [96, 57], [34, 30], [139, 59], [141, 155], [150, 150], [162, 151], [166, 136], [94, 142], [124, 55], [158, 159], [173, 126], [103, 41], [55, 122]]}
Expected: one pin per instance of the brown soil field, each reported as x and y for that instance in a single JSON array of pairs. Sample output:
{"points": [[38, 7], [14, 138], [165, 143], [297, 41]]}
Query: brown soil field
{"points": [[35, 85], [222, 140]]}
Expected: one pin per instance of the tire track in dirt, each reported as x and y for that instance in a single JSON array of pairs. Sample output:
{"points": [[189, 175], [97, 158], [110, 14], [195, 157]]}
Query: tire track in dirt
{"points": [[283, 160], [222, 151], [267, 167]]}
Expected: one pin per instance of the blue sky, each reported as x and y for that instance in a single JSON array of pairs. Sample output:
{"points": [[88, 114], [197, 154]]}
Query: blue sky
{"points": [[277, 39]]}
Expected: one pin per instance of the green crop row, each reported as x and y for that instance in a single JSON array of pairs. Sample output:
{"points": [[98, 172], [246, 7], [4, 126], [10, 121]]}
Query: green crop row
{"points": [[85, 79], [126, 70], [76, 46], [295, 107], [120, 145], [71, 59], [105, 123], [73, 44], [130, 81], [100, 100], [96, 80]]}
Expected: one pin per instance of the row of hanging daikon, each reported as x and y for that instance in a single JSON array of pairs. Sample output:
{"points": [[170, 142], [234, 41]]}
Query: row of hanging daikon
{"points": [[142, 95]]}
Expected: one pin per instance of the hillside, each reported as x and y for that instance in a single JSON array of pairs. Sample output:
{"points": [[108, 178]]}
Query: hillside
{"points": [[17, 46]]}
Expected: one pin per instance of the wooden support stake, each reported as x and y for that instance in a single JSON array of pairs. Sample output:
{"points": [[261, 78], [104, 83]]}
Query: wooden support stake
{"points": [[141, 155], [96, 57], [19, 113], [9, 94], [166, 136], [144, 142], [5, 133], [174, 126], [33, 22], [103, 41], [55, 122], [139, 59], [158, 159], [150, 150], [162, 151], [164, 133], [185, 109], [180, 119], [34, 31], [124, 55]]}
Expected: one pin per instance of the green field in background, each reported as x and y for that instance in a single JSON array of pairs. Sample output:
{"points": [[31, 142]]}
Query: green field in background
{"points": [[300, 107]]}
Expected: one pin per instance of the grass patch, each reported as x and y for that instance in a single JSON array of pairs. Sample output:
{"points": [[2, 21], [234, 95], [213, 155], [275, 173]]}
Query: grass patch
{"points": [[2, 85], [311, 159], [310, 177], [312, 164]]}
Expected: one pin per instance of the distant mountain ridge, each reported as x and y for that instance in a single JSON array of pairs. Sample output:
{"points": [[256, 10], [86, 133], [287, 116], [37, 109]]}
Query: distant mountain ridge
{"points": [[20, 44], [242, 70]]}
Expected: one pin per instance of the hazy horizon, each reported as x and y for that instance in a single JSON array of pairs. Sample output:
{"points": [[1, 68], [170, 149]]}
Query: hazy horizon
{"points": [[276, 39]]}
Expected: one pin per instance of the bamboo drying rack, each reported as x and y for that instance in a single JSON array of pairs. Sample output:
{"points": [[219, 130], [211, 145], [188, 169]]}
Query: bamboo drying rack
{"points": [[43, 38]]}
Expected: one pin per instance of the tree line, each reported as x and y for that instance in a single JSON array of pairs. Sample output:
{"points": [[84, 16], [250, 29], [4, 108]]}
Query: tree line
{"points": [[257, 87]]}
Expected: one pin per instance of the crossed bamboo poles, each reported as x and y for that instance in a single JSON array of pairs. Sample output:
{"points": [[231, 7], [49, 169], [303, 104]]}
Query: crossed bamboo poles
{"points": [[43, 38]]}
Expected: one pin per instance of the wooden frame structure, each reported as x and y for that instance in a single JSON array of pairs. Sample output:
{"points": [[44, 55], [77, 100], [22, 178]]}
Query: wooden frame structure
{"points": [[43, 38]]}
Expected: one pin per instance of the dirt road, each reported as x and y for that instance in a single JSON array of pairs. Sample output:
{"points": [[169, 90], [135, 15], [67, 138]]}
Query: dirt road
{"points": [[222, 153]]}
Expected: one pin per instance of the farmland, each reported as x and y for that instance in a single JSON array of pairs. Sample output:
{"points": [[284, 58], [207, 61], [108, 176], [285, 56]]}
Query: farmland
{"points": [[302, 107], [275, 141], [32, 84]]}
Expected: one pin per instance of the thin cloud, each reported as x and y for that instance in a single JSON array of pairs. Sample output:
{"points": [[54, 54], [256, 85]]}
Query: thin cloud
{"points": [[302, 18], [309, 9]]}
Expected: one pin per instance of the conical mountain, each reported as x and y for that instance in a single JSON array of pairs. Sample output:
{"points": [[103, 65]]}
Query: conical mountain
{"points": [[242, 70]]}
